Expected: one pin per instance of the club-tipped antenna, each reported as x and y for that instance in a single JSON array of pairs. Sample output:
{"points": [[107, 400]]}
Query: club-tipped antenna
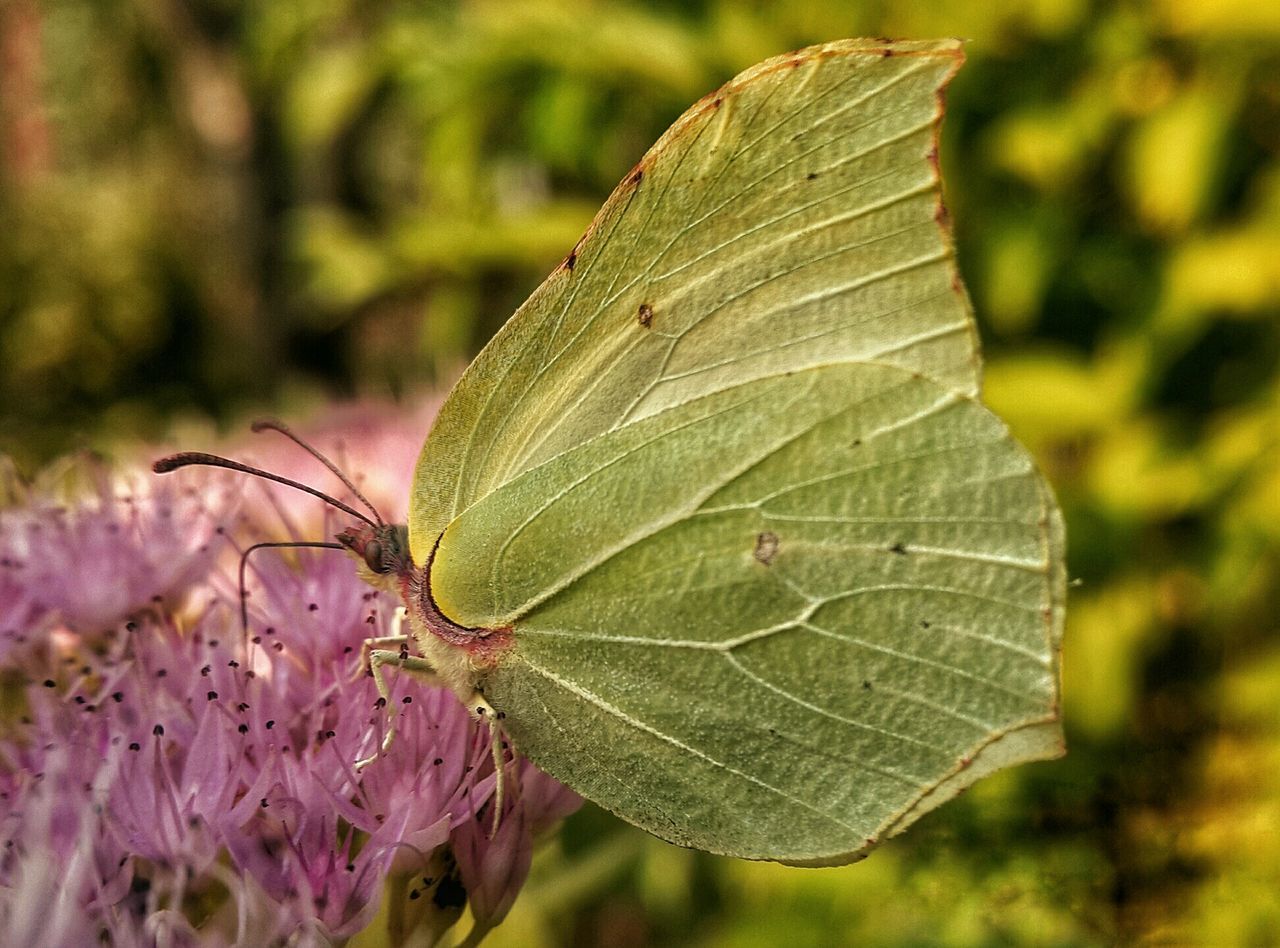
{"points": [[270, 424], [188, 458]]}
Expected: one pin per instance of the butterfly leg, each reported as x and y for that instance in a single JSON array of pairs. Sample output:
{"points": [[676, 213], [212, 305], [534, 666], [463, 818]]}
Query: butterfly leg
{"points": [[381, 643], [416, 666], [397, 638], [484, 711]]}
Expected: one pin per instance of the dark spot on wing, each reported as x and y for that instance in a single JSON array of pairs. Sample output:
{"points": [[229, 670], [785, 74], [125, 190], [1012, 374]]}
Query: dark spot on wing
{"points": [[637, 175], [900, 548], [766, 547], [645, 315], [866, 685], [811, 175], [925, 623], [570, 260]]}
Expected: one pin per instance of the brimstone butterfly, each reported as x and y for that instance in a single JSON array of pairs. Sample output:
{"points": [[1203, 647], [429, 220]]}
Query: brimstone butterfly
{"points": [[716, 522]]}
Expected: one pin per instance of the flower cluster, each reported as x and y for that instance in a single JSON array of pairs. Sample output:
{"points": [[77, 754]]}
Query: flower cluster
{"points": [[167, 777]]}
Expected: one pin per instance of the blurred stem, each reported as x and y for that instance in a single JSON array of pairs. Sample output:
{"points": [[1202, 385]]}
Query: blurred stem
{"points": [[26, 145], [587, 876], [398, 899], [199, 50]]}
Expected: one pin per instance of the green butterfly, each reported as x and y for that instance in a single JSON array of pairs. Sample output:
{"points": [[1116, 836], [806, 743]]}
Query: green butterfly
{"points": [[716, 524]]}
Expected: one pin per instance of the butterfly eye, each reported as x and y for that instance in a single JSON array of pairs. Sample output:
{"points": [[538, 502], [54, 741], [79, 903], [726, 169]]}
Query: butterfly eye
{"points": [[373, 556]]}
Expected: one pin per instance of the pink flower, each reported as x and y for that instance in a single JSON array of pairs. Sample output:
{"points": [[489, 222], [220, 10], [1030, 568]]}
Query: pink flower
{"points": [[494, 865], [165, 762], [125, 543]]}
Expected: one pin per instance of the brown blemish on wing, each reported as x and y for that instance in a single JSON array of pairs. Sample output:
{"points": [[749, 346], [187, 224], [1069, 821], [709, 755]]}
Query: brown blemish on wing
{"points": [[766, 547], [900, 548], [645, 315], [570, 261]]}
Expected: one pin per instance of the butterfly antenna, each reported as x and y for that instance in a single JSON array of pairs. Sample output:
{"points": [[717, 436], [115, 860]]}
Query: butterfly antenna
{"points": [[244, 561], [189, 458], [270, 424]]}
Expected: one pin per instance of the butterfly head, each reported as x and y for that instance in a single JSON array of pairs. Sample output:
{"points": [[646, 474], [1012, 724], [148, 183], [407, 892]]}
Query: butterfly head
{"points": [[382, 552]]}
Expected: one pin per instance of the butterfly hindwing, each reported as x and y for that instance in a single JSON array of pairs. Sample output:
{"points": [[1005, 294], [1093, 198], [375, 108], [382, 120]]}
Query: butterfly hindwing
{"points": [[818, 599]]}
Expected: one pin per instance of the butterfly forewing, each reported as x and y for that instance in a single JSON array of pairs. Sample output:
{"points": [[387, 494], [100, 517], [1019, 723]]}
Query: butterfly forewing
{"points": [[791, 218]]}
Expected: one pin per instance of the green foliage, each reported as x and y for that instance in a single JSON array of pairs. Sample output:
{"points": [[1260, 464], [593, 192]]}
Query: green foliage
{"points": [[209, 206]]}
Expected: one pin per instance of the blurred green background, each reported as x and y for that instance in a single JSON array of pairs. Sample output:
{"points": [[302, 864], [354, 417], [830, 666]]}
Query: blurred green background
{"points": [[211, 208]]}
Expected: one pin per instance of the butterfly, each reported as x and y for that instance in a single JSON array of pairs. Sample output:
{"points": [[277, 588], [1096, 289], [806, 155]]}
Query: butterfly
{"points": [[715, 528]]}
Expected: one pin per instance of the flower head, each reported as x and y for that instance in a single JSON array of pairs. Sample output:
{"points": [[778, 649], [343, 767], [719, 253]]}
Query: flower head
{"points": [[89, 547], [181, 778]]}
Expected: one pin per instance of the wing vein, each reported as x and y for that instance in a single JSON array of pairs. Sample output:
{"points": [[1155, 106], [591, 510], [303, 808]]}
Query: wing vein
{"points": [[635, 723], [831, 715]]}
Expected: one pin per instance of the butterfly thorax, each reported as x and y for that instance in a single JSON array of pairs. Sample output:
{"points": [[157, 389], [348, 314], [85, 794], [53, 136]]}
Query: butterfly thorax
{"points": [[460, 655]]}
